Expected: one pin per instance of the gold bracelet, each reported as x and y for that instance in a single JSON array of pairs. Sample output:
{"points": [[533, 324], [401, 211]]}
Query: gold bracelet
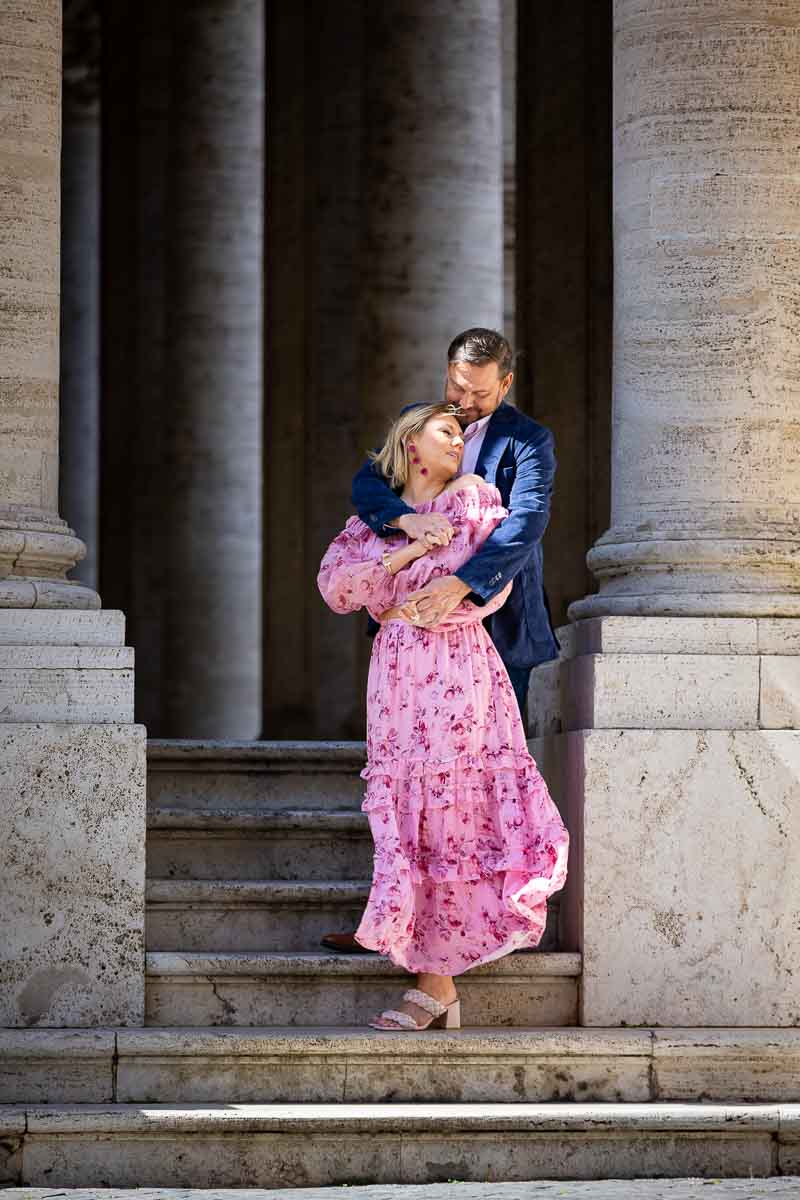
{"points": [[386, 558]]}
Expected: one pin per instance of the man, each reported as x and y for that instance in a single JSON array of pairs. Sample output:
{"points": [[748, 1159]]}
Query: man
{"points": [[514, 453]]}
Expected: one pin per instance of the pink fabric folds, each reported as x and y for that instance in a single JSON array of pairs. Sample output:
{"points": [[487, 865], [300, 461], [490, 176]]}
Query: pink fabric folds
{"points": [[468, 842]]}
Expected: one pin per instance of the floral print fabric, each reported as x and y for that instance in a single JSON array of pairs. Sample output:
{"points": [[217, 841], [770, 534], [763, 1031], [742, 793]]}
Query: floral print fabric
{"points": [[468, 842]]}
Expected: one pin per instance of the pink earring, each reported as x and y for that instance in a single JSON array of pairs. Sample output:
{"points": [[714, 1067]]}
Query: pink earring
{"points": [[412, 449]]}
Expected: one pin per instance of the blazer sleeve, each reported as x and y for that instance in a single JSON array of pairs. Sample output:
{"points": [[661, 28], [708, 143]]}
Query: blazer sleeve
{"points": [[375, 501], [508, 548]]}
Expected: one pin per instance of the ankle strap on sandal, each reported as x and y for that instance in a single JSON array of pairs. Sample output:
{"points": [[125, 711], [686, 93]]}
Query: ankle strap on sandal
{"points": [[429, 1003]]}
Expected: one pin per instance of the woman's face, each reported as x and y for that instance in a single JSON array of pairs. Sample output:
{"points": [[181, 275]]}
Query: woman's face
{"points": [[439, 446]]}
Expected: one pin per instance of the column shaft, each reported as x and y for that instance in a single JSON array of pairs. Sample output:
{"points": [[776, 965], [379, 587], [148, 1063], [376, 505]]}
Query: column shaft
{"points": [[212, 649], [434, 192], [36, 547], [706, 478]]}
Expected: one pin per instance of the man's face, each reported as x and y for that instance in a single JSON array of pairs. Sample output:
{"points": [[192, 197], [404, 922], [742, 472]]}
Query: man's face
{"points": [[475, 389]]}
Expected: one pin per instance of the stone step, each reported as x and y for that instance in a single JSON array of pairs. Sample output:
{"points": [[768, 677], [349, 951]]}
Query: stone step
{"points": [[358, 1065], [313, 990], [251, 844], [261, 776], [299, 1145], [233, 915]]}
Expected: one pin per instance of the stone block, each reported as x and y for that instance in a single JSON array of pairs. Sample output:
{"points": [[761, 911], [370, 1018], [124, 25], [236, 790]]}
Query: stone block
{"points": [[780, 691], [740, 1065], [359, 1067], [660, 691], [778, 635], [56, 1066], [72, 874], [61, 627], [690, 896], [667, 635], [83, 685], [544, 700]]}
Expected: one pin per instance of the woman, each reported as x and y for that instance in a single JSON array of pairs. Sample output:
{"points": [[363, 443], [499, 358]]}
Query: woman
{"points": [[468, 843]]}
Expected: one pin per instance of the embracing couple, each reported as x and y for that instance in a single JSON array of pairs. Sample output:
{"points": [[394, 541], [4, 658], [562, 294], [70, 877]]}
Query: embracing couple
{"points": [[446, 557]]}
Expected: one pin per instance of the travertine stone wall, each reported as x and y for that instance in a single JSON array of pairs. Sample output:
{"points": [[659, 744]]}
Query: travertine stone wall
{"points": [[706, 469], [36, 547], [434, 167]]}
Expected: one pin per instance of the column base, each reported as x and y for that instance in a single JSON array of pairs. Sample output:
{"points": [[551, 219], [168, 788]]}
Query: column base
{"points": [[678, 772], [72, 856]]}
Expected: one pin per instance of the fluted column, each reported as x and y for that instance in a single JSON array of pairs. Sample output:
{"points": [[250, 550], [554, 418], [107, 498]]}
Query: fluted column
{"points": [[37, 548], [434, 193], [212, 486], [705, 513]]}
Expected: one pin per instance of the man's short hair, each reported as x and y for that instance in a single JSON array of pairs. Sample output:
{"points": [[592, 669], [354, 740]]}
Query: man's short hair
{"points": [[481, 346]]}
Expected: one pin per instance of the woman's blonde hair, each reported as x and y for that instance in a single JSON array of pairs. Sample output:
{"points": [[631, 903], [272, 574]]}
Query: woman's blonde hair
{"points": [[392, 460]]}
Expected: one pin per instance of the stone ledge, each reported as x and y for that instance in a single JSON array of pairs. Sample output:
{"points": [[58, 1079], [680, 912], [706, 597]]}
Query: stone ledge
{"points": [[532, 965], [180, 892], [284, 756], [408, 1118]]}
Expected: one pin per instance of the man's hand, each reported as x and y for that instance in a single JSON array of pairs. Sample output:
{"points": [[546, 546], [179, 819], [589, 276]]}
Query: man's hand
{"points": [[432, 529], [437, 600]]}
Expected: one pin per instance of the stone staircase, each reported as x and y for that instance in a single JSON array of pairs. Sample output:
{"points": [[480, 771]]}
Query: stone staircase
{"points": [[256, 1068]]}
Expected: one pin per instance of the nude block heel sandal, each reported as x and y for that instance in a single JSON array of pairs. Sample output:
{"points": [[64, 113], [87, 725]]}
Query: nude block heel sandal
{"points": [[443, 1016]]}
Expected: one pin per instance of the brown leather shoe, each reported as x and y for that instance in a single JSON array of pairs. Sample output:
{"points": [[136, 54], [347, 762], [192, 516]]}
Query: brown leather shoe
{"points": [[344, 943]]}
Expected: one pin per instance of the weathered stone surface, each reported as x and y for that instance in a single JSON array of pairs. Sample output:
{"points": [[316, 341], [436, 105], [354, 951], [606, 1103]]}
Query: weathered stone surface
{"points": [[671, 635], [322, 990], [273, 776], [81, 685], [741, 1065], [49, 627], [605, 1189], [240, 844], [660, 691], [72, 874], [544, 700], [293, 1145], [58, 1066], [360, 1066], [688, 893], [780, 692], [236, 915]]}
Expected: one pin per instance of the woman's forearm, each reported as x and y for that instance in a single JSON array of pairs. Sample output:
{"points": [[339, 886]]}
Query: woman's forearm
{"points": [[395, 560]]}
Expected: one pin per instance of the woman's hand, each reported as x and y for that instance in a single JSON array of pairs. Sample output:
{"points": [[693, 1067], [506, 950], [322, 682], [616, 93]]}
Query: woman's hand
{"points": [[432, 529]]}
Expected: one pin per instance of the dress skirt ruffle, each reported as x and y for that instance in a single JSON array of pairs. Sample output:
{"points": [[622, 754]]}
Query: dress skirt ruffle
{"points": [[468, 842]]}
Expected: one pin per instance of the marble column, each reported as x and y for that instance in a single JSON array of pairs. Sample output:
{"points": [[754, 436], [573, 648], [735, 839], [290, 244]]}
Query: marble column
{"points": [[386, 199], [80, 281], [433, 260], [313, 660], [72, 764], [705, 506], [679, 691], [212, 480]]}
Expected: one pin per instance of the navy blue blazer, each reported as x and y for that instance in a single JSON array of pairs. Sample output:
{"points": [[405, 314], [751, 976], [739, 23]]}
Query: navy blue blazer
{"points": [[517, 456]]}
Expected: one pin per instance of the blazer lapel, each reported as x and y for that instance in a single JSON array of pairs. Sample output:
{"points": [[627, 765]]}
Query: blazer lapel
{"points": [[498, 431]]}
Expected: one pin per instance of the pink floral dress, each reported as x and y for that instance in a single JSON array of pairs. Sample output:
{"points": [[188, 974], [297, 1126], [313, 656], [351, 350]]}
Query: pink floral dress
{"points": [[468, 842]]}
